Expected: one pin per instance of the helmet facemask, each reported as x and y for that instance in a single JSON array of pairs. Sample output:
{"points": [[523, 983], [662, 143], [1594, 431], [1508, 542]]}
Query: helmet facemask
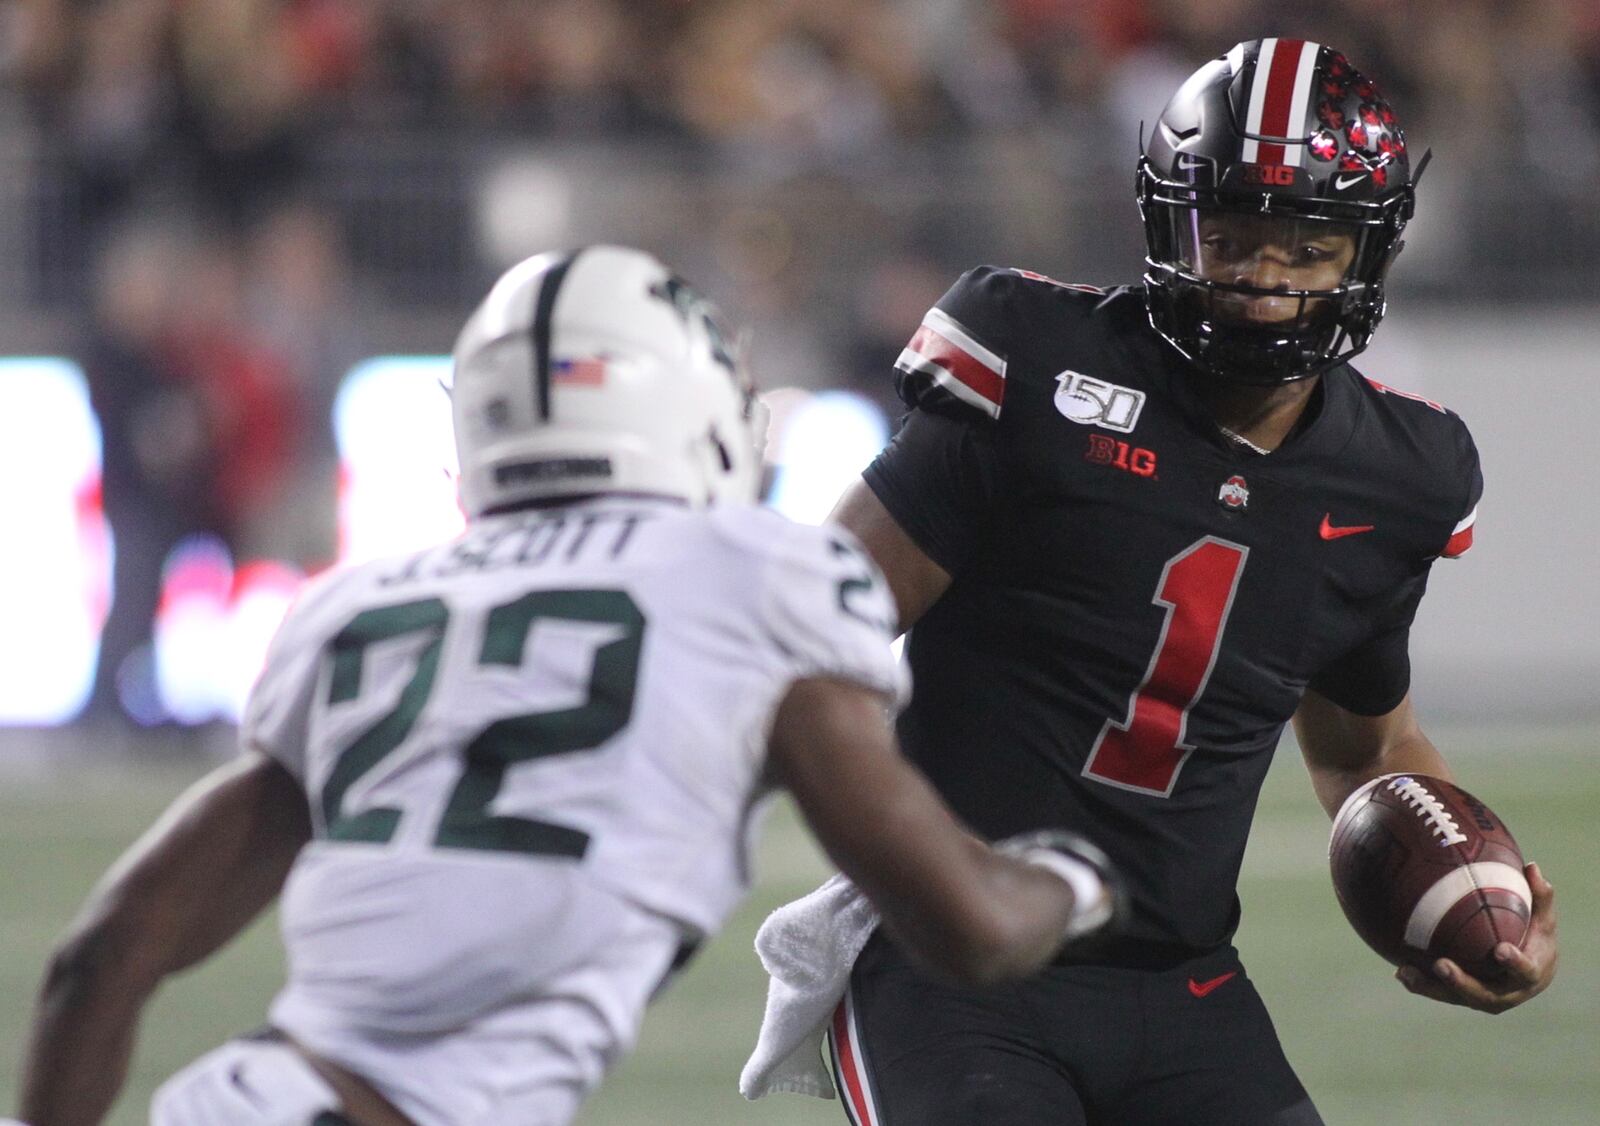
{"points": [[1263, 296]]}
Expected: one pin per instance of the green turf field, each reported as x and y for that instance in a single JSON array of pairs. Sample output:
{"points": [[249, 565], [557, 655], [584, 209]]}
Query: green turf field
{"points": [[1370, 1053]]}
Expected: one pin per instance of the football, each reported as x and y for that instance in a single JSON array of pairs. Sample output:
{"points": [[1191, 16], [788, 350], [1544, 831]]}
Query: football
{"points": [[1424, 870]]}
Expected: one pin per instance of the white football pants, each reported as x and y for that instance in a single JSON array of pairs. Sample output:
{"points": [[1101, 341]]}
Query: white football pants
{"points": [[244, 1083]]}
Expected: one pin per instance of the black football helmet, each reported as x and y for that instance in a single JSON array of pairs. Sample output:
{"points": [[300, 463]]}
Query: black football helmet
{"points": [[1293, 143]]}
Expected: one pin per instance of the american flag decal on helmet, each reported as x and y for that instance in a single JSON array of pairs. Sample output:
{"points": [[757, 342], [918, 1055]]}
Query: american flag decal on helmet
{"points": [[1280, 96], [944, 351], [584, 371]]}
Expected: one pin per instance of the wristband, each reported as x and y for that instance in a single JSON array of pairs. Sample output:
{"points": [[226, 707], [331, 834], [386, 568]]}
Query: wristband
{"points": [[1091, 906], [1098, 894]]}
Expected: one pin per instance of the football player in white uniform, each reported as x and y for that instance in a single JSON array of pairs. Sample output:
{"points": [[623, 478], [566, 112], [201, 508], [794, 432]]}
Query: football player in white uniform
{"points": [[506, 783]]}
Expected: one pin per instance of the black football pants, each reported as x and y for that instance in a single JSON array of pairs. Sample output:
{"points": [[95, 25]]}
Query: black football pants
{"points": [[1190, 1045]]}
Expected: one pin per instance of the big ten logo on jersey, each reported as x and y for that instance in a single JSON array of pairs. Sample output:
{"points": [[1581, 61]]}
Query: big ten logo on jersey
{"points": [[532, 539], [1094, 402], [1120, 455]]}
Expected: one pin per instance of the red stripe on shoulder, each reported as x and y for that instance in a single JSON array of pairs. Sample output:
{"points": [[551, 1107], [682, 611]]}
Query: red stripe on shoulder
{"points": [[971, 371]]}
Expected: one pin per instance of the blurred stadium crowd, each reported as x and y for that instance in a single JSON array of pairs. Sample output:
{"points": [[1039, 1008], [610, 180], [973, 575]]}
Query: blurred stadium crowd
{"points": [[217, 207], [233, 91]]}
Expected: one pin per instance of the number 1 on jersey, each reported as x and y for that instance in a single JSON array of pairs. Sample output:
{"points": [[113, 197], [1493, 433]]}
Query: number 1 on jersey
{"points": [[1146, 750]]}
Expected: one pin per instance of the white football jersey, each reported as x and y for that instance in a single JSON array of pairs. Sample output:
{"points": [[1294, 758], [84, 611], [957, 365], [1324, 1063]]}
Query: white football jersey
{"points": [[527, 745]]}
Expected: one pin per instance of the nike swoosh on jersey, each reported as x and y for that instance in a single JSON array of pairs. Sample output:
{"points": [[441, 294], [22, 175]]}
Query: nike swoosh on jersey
{"points": [[1202, 988], [1331, 531]]}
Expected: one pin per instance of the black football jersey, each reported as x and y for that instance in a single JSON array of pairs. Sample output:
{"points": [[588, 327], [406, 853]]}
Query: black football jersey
{"points": [[1138, 602]]}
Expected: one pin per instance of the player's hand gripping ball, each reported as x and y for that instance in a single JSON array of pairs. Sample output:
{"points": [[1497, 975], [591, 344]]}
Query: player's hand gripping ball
{"points": [[1424, 870]]}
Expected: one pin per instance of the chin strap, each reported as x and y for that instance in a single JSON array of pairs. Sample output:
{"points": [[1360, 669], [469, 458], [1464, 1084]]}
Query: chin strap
{"points": [[1422, 166]]}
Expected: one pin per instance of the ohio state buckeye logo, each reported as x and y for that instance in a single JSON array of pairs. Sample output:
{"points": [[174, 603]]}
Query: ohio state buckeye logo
{"points": [[1234, 494]]}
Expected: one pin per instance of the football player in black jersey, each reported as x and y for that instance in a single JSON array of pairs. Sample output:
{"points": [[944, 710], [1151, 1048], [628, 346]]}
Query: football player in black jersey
{"points": [[1133, 533]]}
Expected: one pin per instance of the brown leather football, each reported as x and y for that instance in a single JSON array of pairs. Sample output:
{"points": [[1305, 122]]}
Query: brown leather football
{"points": [[1424, 870]]}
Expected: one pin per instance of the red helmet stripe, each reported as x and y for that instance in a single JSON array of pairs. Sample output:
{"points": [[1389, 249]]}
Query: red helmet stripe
{"points": [[1279, 96]]}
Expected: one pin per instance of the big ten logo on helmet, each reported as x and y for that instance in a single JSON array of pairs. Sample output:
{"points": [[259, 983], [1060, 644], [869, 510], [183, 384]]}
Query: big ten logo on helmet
{"points": [[1274, 175], [1094, 402], [1120, 455]]}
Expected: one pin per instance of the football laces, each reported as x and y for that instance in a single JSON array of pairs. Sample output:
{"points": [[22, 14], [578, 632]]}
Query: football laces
{"points": [[1420, 799]]}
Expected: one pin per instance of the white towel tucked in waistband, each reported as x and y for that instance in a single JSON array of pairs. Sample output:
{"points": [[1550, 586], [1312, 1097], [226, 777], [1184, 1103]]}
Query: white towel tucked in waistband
{"points": [[808, 947]]}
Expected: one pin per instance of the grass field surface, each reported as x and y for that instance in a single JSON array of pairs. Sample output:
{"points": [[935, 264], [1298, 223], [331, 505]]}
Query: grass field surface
{"points": [[1370, 1053]]}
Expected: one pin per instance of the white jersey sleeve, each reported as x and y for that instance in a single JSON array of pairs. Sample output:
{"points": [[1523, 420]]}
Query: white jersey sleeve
{"points": [[824, 604], [277, 714]]}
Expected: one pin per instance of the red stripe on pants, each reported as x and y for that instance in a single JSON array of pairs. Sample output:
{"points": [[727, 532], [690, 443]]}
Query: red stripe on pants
{"points": [[850, 1067]]}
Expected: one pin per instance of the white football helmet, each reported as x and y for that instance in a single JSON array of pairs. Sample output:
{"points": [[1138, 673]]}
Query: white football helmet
{"points": [[600, 372]]}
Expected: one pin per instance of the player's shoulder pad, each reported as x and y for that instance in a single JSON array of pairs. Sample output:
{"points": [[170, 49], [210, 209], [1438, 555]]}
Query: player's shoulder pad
{"points": [[320, 605], [1406, 403], [755, 530], [820, 606], [1442, 456], [276, 710], [957, 361], [1442, 435], [1093, 292], [811, 574]]}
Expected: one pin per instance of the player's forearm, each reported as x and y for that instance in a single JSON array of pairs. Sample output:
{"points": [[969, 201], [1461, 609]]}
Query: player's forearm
{"points": [[212, 862], [83, 1034], [953, 904], [1001, 920], [1412, 754], [77, 1087], [1344, 749]]}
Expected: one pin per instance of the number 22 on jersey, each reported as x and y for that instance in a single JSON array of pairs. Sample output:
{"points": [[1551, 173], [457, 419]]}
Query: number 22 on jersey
{"points": [[1146, 750], [500, 744]]}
